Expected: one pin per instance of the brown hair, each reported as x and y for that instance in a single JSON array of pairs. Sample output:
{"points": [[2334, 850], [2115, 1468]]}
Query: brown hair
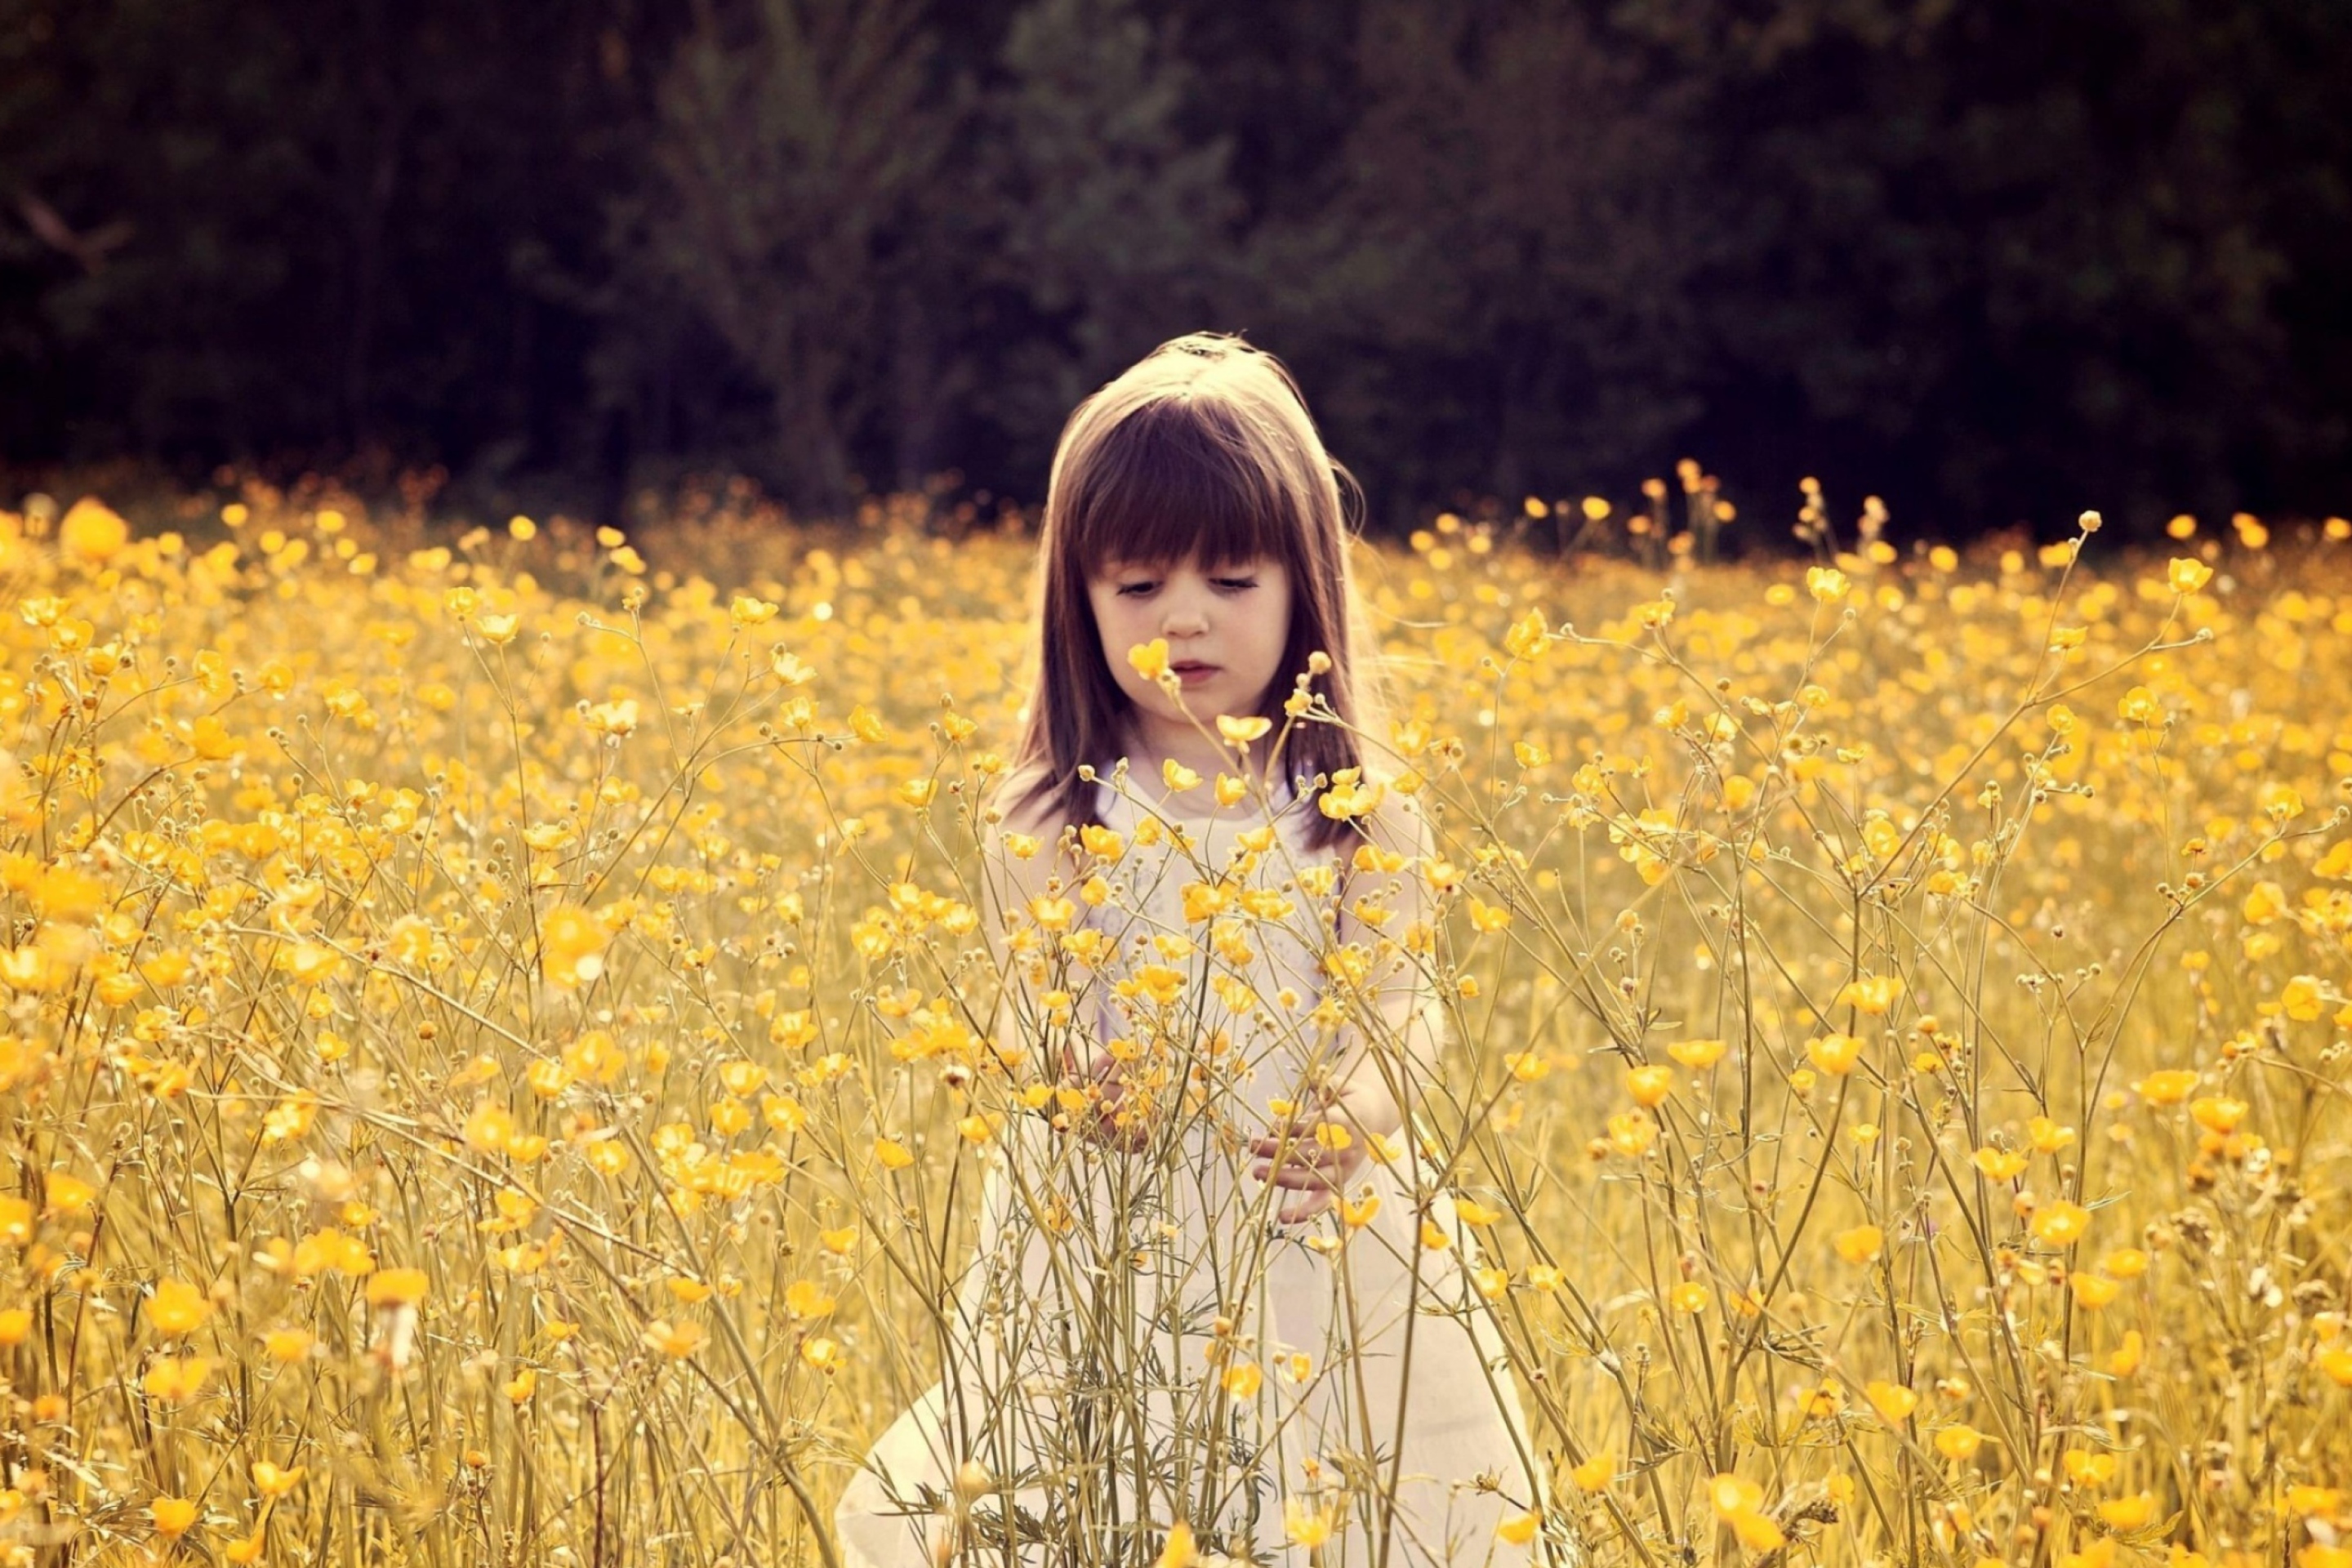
{"points": [[1204, 447]]}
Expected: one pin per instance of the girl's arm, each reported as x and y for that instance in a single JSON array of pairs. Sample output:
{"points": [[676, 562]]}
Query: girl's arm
{"points": [[1011, 885], [1362, 1089], [1369, 1077]]}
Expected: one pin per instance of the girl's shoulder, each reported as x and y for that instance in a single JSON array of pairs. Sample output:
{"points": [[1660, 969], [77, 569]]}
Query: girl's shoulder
{"points": [[1026, 805]]}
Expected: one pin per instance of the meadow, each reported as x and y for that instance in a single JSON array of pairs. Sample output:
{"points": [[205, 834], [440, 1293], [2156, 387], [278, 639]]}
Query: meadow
{"points": [[494, 1054]]}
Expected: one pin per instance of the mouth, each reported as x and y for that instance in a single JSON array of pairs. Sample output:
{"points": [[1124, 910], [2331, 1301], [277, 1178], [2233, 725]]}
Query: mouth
{"points": [[1192, 672]]}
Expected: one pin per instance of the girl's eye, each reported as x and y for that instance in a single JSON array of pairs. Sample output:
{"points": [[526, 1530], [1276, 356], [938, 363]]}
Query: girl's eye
{"points": [[1135, 590], [1236, 582]]}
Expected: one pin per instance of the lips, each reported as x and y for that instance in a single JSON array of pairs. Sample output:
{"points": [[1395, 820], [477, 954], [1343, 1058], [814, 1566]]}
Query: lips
{"points": [[1192, 672]]}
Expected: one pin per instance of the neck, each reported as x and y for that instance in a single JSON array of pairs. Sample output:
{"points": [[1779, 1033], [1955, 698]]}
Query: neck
{"points": [[1149, 745]]}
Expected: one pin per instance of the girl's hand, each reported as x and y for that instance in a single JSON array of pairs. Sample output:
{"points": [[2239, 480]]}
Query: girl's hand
{"points": [[1102, 1124], [1314, 1153]]}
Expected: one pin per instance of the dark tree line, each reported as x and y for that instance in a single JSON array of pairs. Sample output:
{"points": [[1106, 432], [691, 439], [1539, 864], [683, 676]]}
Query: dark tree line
{"points": [[1992, 260]]}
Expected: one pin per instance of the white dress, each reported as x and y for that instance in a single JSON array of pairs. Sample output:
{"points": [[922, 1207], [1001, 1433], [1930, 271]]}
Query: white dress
{"points": [[1141, 1342]]}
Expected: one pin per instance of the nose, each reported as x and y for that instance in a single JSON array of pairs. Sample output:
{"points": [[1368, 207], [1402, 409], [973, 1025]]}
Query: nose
{"points": [[1183, 617]]}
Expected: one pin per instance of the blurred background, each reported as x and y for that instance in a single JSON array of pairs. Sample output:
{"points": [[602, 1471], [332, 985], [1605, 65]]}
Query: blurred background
{"points": [[1994, 261]]}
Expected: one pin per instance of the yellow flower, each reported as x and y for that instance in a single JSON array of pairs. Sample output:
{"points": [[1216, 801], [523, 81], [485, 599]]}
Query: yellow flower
{"points": [[1958, 1442], [1734, 1495], [1149, 659], [92, 530], [806, 1298], [1826, 584], [69, 1193], [2186, 574], [490, 1127], [2168, 1087], [1863, 1244], [173, 1516], [176, 1381], [2302, 999], [1177, 777], [397, 1287], [2126, 1358], [1241, 732], [271, 1481], [2059, 1223], [1597, 1473], [1178, 1551], [1520, 1528], [676, 1341], [1307, 1526], [1696, 1055], [1834, 1054], [2128, 1512], [1528, 1067], [1242, 1380], [2093, 1291], [2086, 1468], [571, 944], [1690, 1295], [1631, 1133], [893, 1154], [177, 1308], [1348, 797], [2046, 1136], [1892, 1401], [2218, 1112], [1649, 1085], [1872, 994], [2000, 1165]]}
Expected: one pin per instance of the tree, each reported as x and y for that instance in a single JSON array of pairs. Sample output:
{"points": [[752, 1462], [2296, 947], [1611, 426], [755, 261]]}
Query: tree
{"points": [[793, 148], [1497, 292], [1111, 228]]}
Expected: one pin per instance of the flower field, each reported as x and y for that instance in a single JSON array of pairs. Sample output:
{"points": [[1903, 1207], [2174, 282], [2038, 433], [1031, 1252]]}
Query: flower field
{"points": [[496, 1055]]}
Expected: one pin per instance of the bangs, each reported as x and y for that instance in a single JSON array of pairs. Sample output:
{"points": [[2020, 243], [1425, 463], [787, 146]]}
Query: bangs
{"points": [[1179, 475]]}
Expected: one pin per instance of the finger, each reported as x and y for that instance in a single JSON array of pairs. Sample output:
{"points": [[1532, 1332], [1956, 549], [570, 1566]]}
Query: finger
{"points": [[1308, 1154], [1298, 1148], [1304, 1209]]}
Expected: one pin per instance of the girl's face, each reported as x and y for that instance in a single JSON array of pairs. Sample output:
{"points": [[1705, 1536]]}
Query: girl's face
{"points": [[1225, 631]]}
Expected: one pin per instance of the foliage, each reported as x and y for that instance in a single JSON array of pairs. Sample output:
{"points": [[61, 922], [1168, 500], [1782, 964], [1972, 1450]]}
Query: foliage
{"points": [[1985, 259]]}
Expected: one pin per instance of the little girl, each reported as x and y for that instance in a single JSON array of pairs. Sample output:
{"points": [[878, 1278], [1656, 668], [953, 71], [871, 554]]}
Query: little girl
{"points": [[1219, 1303]]}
